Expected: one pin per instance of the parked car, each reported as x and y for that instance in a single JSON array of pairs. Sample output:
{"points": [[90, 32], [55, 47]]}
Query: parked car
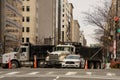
{"points": [[73, 60]]}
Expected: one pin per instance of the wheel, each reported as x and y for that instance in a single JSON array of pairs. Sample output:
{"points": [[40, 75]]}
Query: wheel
{"points": [[91, 66], [41, 64], [97, 66], [14, 64]]}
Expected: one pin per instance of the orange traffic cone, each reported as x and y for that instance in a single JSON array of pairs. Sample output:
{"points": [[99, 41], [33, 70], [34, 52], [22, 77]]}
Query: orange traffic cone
{"points": [[86, 64], [35, 62], [9, 64]]}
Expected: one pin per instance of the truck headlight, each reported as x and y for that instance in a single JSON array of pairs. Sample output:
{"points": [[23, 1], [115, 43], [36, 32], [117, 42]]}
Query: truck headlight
{"points": [[47, 58], [61, 58]]}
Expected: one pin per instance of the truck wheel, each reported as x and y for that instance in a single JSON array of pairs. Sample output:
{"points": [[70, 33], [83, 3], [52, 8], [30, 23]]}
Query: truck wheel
{"points": [[14, 64], [97, 66], [91, 66], [41, 64]]}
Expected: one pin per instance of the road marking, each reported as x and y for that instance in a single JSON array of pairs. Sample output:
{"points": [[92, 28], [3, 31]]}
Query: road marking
{"points": [[49, 73], [11, 73], [56, 78], [2, 76], [33, 73], [110, 74], [70, 73], [89, 73]]}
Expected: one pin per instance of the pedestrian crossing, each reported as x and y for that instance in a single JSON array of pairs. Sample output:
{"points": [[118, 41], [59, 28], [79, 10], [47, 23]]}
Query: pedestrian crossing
{"points": [[69, 73]]}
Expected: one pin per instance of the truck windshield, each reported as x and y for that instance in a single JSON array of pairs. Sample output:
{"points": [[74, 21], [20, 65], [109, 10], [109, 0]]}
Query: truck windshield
{"points": [[72, 57], [63, 49], [16, 49], [23, 49]]}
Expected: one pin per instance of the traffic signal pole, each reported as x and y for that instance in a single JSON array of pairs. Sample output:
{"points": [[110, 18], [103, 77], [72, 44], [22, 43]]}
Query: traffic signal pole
{"points": [[115, 42]]}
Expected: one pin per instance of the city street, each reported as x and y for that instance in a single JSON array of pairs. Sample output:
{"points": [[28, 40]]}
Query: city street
{"points": [[59, 74]]}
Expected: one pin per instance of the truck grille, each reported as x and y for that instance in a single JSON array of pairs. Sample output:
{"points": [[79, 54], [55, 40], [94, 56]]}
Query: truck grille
{"points": [[53, 57], [69, 62]]}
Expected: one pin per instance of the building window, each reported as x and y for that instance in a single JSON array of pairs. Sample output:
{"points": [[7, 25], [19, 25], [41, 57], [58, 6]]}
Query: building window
{"points": [[62, 36], [63, 15], [27, 29], [27, 39], [23, 8], [22, 39], [23, 19], [27, 8], [28, 19], [63, 10], [22, 29], [62, 26]]}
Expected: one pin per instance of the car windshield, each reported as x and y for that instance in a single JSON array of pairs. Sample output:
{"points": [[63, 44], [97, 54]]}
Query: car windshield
{"points": [[73, 57]]}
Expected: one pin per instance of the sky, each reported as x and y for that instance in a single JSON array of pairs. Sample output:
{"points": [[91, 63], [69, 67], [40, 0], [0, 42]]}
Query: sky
{"points": [[81, 6]]}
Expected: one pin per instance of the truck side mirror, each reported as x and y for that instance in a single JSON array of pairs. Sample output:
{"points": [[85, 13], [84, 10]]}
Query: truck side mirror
{"points": [[48, 51]]}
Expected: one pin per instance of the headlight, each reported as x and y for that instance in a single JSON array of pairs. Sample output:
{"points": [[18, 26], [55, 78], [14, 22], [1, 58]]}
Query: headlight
{"points": [[61, 58], [47, 58]]}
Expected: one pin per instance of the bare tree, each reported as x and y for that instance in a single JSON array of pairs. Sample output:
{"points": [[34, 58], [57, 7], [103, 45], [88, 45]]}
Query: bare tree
{"points": [[102, 18]]}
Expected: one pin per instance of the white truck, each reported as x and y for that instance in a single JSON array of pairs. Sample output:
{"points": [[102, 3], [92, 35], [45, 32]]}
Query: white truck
{"points": [[24, 56], [56, 57]]}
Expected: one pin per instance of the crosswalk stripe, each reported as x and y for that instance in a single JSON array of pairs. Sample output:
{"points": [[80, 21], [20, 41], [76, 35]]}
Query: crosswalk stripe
{"points": [[110, 74], [50, 72], [89, 73], [11, 73], [33, 73], [70, 73], [2, 76]]}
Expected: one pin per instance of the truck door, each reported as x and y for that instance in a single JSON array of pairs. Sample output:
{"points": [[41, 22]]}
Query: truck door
{"points": [[24, 55]]}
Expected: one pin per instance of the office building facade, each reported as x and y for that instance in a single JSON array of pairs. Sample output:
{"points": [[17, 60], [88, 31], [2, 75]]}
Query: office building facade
{"points": [[10, 24]]}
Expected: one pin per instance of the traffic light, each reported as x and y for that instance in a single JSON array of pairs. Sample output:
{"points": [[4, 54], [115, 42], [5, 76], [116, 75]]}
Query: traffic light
{"points": [[118, 30], [116, 19]]}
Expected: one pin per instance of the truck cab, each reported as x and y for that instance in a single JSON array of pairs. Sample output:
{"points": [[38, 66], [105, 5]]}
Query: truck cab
{"points": [[58, 54], [24, 56], [15, 57]]}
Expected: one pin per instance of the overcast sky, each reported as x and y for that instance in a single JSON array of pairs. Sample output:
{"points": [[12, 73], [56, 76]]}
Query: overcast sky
{"points": [[81, 6]]}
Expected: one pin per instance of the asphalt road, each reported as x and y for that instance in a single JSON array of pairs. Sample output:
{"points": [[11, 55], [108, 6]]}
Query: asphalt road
{"points": [[59, 74]]}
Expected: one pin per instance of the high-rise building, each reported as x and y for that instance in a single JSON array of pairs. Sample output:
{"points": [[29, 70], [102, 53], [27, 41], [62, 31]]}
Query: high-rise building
{"points": [[75, 30], [55, 18], [47, 21], [53, 23], [115, 11], [10, 24], [65, 20], [30, 21], [83, 41]]}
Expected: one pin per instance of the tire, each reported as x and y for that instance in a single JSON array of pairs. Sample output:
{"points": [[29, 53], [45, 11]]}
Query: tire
{"points": [[91, 66], [41, 64], [14, 64], [98, 66]]}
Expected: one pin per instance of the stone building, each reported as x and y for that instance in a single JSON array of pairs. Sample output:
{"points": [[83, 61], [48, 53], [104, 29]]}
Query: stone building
{"points": [[10, 24]]}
